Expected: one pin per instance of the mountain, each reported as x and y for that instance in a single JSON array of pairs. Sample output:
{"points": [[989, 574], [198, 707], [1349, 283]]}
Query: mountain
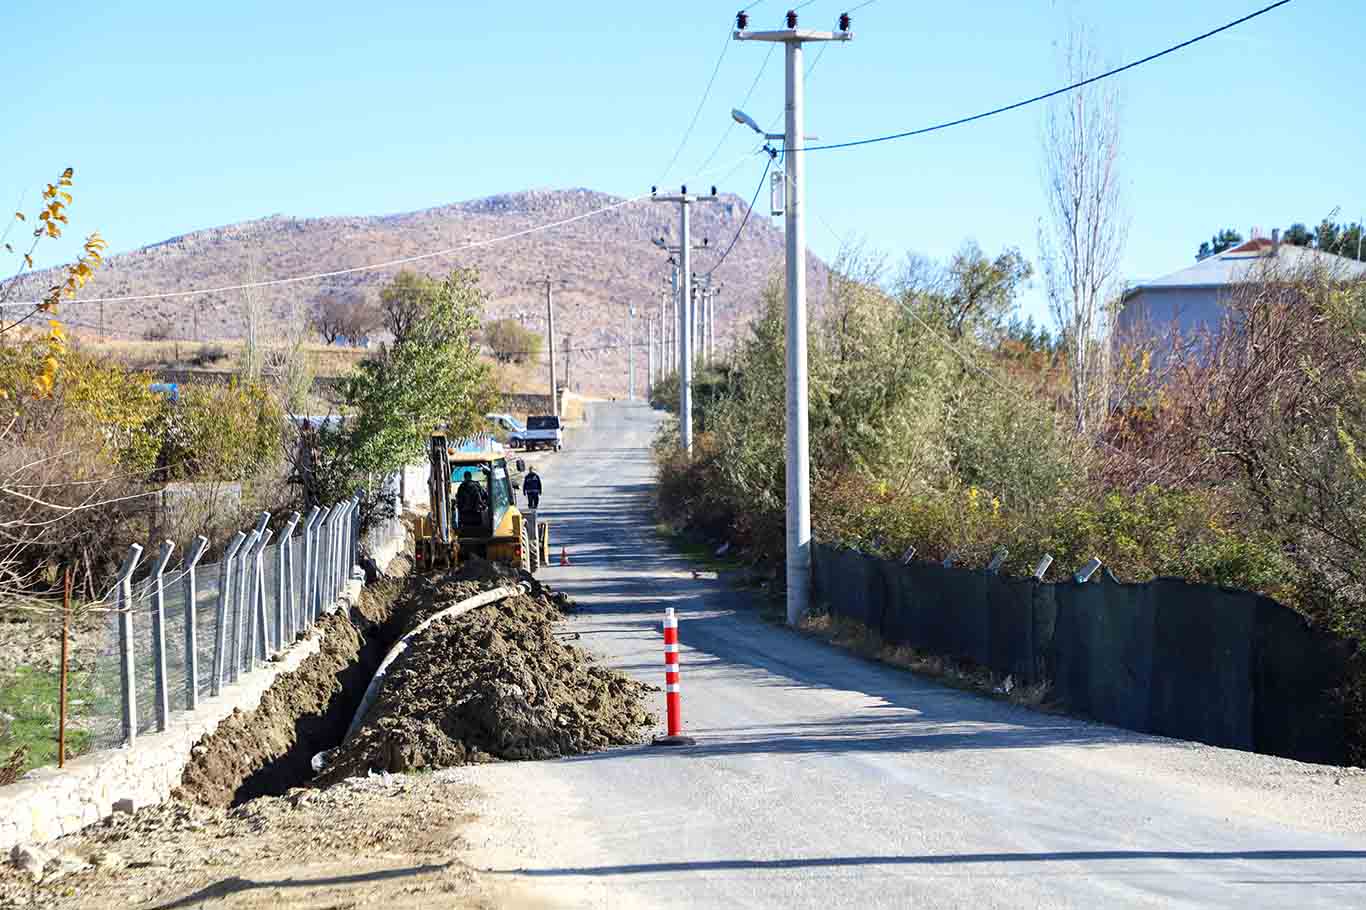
{"points": [[599, 264]]}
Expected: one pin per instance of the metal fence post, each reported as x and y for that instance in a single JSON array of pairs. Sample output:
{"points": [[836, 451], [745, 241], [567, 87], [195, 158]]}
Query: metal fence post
{"points": [[127, 681], [256, 607], [225, 600], [247, 618], [320, 562], [163, 695], [306, 576], [284, 600], [192, 558], [240, 605]]}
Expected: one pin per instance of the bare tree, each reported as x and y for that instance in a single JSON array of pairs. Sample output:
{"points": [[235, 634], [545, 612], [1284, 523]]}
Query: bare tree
{"points": [[1083, 240], [344, 314]]}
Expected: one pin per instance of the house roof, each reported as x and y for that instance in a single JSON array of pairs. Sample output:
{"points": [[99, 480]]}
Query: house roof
{"points": [[1235, 265]]}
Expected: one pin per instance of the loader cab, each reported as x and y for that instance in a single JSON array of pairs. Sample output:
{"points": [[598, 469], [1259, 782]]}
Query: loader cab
{"points": [[492, 478]]}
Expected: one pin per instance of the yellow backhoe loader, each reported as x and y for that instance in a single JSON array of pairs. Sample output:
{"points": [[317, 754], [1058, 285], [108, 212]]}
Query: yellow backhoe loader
{"points": [[482, 520]]}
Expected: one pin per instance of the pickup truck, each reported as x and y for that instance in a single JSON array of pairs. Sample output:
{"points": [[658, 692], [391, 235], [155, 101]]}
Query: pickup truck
{"points": [[542, 432]]}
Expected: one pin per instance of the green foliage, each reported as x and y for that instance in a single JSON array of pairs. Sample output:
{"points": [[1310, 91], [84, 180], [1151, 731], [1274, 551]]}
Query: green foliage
{"points": [[223, 432], [1226, 239], [30, 698], [512, 342], [430, 378]]}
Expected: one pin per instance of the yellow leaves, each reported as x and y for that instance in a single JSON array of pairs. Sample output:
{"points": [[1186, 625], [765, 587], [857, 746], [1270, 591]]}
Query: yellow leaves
{"points": [[28, 260], [20, 216]]}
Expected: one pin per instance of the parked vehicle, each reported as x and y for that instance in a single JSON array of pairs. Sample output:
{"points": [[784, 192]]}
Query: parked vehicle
{"points": [[543, 432], [509, 426]]}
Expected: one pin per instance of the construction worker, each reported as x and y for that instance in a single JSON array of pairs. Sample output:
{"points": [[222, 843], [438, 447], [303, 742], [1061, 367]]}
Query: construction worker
{"points": [[470, 501], [531, 485]]}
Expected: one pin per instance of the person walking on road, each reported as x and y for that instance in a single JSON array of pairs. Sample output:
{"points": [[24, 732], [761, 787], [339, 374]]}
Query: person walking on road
{"points": [[531, 485]]}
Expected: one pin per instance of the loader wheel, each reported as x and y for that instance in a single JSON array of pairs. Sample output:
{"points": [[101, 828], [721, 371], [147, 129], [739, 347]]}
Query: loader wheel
{"points": [[526, 552]]}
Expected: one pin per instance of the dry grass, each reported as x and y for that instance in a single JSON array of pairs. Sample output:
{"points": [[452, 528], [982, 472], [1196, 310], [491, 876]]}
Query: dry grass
{"points": [[219, 356], [854, 636]]}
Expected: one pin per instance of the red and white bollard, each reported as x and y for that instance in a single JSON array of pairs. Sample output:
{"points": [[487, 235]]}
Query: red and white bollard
{"points": [[672, 698]]}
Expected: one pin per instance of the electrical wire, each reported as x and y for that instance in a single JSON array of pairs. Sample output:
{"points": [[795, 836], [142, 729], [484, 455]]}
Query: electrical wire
{"points": [[758, 189], [1047, 95], [749, 94], [473, 244], [706, 93]]}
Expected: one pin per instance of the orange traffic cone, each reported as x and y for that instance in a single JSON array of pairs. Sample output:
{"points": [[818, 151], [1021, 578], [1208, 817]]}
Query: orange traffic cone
{"points": [[564, 555]]}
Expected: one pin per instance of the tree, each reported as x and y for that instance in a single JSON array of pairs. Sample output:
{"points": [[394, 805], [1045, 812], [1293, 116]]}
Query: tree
{"points": [[512, 342], [403, 303], [1226, 239], [972, 295], [344, 313], [1329, 236], [1081, 255], [430, 377], [1298, 235]]}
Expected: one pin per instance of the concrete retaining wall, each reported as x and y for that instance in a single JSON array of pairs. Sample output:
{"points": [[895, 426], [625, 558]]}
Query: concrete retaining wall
{"points": [[49, 803], [1220, 666]]}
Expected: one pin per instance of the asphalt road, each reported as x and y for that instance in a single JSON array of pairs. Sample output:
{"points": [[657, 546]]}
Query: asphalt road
{"points": [[822, 780]]}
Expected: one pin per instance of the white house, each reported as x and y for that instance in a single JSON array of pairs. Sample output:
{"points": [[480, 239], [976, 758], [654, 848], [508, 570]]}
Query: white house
{"points": [[1192, 300]]}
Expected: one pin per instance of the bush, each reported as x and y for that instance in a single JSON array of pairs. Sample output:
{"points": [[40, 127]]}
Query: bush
{"points": [[222, 432]]}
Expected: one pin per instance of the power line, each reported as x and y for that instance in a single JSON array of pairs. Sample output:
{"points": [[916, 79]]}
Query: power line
{"points": [[473, 244], [758, 189], [1053, 94], [725, 134], [706, 93]]}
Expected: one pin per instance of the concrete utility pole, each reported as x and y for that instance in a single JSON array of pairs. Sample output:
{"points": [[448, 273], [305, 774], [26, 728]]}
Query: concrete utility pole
{"points": [[630, 353], [711, 323], [568, 348], [681, 339], [685, 202], [649, 356], [550, 340], [798, 442]]}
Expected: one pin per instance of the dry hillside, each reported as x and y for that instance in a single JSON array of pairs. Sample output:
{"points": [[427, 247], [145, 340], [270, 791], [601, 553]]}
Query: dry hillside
{"points": [[600, 265]]}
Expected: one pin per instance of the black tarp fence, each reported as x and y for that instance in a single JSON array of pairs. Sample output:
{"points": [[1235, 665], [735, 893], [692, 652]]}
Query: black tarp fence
{"points": [[1216, 665]]}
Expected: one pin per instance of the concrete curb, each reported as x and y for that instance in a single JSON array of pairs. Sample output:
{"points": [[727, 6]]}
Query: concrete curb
{"points": [[48, 803]]}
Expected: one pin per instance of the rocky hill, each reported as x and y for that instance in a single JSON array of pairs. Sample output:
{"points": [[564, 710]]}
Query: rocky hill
{"points": [[599, 265]]}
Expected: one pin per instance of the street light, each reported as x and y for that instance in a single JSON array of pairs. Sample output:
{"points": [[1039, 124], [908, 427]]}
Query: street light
{"points": [[746, 120]]}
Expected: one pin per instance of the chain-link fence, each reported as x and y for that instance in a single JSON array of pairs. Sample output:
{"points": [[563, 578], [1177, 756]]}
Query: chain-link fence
{"points": [[181, 633]]}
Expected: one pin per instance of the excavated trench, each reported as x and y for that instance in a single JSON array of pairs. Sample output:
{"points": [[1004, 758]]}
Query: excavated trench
{"points": [[496, 683], [268, 751]]}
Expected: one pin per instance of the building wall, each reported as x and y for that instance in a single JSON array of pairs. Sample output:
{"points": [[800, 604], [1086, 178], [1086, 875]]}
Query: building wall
{"points": [[1160, 312]]}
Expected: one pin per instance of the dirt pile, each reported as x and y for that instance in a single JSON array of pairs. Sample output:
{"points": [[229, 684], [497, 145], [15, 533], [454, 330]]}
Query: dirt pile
{"points": [[268, 750], [494, 683]]}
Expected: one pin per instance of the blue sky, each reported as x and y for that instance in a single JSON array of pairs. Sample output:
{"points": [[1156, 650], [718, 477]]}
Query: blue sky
{"points": [[180, 116]]}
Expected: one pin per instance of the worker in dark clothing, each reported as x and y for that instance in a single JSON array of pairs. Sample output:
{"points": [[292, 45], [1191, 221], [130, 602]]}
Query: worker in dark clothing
{"points": [[470, 501], [531, 485]]}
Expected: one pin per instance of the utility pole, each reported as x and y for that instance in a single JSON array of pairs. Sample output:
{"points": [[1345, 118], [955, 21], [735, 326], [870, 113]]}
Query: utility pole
{"points": [[711, 323], [568, 347], [798, 440], [649, 356], [550, 340], [630, 353], [683, 312], [685, 202]]}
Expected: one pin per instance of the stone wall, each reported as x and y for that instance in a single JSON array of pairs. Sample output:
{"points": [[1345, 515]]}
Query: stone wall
{"points": [[48, 803]]}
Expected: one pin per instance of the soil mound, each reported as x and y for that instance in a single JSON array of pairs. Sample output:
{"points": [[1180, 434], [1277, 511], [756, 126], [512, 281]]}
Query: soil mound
{"points": [[494, 683]]}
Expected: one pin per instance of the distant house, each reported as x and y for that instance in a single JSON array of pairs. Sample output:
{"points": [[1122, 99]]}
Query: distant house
{"points": [[1192, 301]]}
